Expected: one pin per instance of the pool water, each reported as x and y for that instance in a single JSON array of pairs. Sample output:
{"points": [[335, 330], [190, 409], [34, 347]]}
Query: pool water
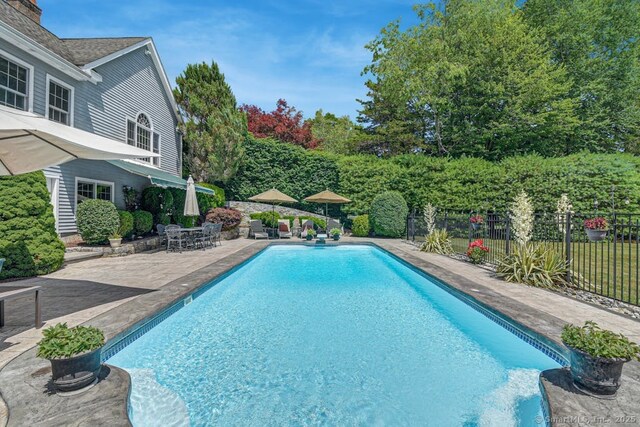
{"points": [[341, 335]]}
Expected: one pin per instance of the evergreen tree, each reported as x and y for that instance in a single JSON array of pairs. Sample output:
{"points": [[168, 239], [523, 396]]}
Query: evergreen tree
{"points": [[214, 129]]}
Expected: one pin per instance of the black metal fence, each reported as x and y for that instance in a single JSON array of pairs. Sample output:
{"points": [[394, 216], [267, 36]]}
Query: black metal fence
{"points": [[609, 267]]}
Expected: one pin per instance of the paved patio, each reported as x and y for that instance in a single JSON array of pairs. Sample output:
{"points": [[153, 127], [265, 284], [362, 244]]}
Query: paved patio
{"points": [[122, 291]]}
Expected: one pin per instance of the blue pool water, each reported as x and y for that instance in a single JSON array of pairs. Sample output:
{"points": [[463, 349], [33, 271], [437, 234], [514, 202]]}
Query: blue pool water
{"points": [[342, 335]]}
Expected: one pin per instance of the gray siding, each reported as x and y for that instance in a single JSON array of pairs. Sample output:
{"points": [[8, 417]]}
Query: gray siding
{"points": [[92, 169], [130, 85]]}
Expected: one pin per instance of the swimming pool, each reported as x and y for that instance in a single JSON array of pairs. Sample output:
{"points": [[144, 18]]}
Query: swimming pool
{"points": [[344, 335]]}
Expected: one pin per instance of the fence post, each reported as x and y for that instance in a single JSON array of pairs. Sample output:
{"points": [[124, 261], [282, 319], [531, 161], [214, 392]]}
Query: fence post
{"points": [[411, 231], [567, 244], [507, 236], [615, 255], [446, 221]]}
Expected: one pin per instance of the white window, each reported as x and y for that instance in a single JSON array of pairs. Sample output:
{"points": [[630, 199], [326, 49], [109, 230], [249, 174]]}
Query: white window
{"points": [[60, 101], [140, 134], [14, 84], [87, 189]]}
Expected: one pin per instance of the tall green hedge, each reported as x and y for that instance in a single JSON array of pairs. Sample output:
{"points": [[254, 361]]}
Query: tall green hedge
{"points": [[28, 238], [456, 184]]}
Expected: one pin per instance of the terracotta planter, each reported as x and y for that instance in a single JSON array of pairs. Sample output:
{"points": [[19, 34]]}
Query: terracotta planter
{"points": [[76, 372], [595, 375], [596, 235]]}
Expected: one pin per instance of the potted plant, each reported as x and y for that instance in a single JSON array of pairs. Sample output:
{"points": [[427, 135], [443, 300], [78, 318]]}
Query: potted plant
{"points": [[311, 233], [335, 233], [74, 354], [596, 228], [115, 240], [476, 251], [476, 221], [597, 357]]}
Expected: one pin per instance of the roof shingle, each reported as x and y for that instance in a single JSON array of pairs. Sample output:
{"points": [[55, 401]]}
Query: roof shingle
{"points": [[78, 51]]}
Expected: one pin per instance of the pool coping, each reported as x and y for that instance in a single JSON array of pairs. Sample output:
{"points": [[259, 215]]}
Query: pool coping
{"points": [[21, 381]]}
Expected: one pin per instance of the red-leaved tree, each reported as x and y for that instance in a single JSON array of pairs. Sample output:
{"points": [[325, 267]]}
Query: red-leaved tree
{"points": [[285, 124]]}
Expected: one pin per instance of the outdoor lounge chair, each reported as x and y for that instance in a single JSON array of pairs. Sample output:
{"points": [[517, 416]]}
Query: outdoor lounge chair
{"points": [[258, 231], [283, 229]]}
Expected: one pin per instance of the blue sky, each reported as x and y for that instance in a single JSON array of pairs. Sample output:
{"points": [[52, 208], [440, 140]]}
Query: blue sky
{"points": [[309, 52]]}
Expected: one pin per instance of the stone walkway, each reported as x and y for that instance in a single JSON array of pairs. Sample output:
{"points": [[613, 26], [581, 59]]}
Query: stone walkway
{"points": [[81, 291]]}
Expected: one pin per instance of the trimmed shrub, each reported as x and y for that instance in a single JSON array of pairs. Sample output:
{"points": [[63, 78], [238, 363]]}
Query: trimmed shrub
{"points": [[142, 222], [388, 214], [269, 219], [216, 201], [158, 201], [97, 220], [28, 238], [126, 223], [230, 218], [360, 226]]}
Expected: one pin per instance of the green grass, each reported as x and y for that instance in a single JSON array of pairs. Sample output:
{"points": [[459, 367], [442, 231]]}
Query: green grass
{"points": [[594, 261]]}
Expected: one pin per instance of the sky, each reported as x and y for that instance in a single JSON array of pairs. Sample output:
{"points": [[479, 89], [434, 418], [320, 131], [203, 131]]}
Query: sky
{"points": [[309, 52]]}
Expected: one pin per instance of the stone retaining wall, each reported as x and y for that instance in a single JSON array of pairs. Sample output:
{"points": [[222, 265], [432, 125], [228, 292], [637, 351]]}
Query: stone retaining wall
{"points": [[247, 208], [127, 248]]}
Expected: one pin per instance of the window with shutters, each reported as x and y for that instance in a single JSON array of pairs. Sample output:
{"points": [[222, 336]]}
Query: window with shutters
{"points": [[140, 134]]}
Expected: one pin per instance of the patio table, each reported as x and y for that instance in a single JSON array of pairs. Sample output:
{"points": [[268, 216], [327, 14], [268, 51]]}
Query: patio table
{"points": [[9, 292], [190, 231]]}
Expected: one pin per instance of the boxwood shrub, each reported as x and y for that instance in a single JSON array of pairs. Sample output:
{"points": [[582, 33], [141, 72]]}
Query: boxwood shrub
{"points": [[142, 222], [97, 220], [126, 223], [28, 238], [360, 226], [388, 215]]}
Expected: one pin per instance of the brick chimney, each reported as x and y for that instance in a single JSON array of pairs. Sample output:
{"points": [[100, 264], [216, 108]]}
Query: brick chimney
{"points": [[28, 8]]}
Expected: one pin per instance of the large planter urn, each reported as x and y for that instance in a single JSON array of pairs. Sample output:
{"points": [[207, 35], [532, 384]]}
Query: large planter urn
{"points": [[596, 235], [596, 376], [115, 243], [75, 372]]}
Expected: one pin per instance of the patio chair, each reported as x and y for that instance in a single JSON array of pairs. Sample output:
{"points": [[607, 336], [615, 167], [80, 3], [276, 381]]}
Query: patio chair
{"points": [[161, 233], [175, 238], [283, 229], [217, 233], [258, 231]]}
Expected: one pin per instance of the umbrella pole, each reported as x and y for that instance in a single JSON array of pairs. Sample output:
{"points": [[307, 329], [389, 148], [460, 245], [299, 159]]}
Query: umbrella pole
{"points": [[326, 219]]}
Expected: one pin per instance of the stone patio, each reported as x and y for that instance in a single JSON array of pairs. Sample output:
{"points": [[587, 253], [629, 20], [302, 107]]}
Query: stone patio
{"points": [[124, 291]]}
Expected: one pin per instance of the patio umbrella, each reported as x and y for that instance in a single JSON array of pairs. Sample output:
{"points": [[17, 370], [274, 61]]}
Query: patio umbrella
{"points": [[272, 196], [29, 142], [327, 197], [191, 202]]}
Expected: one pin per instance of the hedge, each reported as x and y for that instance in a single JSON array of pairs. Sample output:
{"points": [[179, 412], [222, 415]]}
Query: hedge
{"points": [[269, 219], [454, 184], [97, 220], [28, 238], [126, 223]]}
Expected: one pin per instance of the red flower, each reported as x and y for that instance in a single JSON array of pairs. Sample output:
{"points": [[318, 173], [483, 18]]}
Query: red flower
{"points": [[598, 223], [476, 219], [479, 244]]}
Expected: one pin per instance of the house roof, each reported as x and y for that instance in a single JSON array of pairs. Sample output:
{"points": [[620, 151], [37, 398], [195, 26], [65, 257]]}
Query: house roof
{"points": [[80, 55], [87, 50], [78, 51]]}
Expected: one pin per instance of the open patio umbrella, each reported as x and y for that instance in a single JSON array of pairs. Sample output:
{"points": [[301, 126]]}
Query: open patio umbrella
{"points": [[191, 208], [327, 197], [274, 197], [29, 142]]}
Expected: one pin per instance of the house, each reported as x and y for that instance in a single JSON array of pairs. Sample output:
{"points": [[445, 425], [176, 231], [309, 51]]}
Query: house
{"points": [[112, 87]]}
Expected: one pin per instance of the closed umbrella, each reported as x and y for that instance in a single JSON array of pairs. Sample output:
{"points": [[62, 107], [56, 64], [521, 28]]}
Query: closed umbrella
{"points": [[29, 142], [327, 197], [191, 208], [272, 196]]}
